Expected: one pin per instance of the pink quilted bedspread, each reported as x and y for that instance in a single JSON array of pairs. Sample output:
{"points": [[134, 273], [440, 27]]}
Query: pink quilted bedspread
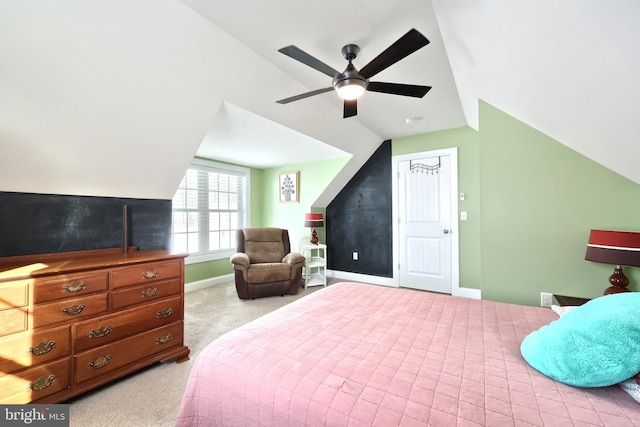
{"points": [[365, 355]]}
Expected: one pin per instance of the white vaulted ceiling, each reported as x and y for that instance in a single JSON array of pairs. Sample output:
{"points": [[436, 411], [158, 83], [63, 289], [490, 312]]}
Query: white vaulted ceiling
{"points": [[115, 98]]}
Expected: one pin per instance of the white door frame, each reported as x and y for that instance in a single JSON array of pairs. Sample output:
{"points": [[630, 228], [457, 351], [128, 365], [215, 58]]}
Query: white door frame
{"points": [[455, 257]]}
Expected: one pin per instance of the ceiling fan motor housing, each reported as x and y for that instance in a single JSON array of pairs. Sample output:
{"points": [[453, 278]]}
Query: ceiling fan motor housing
{"points": [[350, 76], [350, 51]]}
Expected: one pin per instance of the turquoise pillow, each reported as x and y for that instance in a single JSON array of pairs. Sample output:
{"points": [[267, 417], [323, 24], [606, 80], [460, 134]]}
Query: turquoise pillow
{"points": [[595, 345]]}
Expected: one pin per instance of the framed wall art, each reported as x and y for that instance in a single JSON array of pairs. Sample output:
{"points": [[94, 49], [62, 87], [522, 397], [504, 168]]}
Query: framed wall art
{"points": [[289, 188]]}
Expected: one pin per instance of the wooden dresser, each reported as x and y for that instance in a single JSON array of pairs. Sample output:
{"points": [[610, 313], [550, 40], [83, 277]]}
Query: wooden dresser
{"points": [[70, 322]]}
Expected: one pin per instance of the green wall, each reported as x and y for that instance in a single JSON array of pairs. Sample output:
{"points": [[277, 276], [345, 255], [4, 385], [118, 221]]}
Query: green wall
{"points": [[257, 198], [314, 177], [466, 139], [206, 270], [539, 201], [531, 202]]}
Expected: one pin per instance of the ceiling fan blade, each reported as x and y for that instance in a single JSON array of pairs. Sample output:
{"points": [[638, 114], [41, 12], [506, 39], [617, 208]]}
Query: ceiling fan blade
{"points": [[402, 48], [399, 89], [302, 56], [305, 95], [350, 108]]}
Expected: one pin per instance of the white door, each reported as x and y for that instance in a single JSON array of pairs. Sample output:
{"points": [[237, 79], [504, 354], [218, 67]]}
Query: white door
{"points": [[424, 223]]}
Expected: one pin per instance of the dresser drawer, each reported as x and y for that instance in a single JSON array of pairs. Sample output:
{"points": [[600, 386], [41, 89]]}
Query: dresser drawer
{"points": [[145, 273], [109, 328], [69, 286], [35, 383], [14, 320], [68, 310], [14, 294], [108, 358], [139, 294], [28, 349]]}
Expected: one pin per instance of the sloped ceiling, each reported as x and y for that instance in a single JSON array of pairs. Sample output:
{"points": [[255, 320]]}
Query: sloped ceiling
{"points": [[98, 98], [567, 68], [115, 98], [258, 142]]}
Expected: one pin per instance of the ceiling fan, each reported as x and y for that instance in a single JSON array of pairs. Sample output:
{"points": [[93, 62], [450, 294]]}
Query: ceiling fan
{"points": [[351, 83]]}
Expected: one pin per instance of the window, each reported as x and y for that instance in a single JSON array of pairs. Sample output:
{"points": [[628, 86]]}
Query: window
{"points": [[209, 206]]}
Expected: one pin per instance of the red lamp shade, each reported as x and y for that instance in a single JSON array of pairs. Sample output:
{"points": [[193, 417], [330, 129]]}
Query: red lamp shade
{"points": [[313, 220], [618, 248]]}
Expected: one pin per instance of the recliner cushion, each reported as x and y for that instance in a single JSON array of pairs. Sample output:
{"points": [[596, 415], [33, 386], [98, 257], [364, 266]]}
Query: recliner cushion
{"points": [[268, 272], [263, 244]]}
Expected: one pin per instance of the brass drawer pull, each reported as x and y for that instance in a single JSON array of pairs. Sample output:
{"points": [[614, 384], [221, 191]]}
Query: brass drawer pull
{"points": [[149, 293], [74, 287], [100, 332], [150, 274], [100, 362], [73, 310], [164, 313], [164, 339], [42, 348], [42, 383]]}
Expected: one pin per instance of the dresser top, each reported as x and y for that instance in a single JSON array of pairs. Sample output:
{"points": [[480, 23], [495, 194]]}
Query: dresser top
{"points": [[39, 265]]}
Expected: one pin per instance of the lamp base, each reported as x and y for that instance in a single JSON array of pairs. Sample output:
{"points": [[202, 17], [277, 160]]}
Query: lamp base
{"points": [[618, 282], [314, 237]]}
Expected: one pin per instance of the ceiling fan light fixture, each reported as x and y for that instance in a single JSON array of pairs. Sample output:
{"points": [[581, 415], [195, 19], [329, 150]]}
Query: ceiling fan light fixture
{"points": [[350, 89]]}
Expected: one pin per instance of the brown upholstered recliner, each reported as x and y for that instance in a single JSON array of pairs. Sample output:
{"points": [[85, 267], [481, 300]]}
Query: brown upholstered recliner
{"points": [[264, 264]]}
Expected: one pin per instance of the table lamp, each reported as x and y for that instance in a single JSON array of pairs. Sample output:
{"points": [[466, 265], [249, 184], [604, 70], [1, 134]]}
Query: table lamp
{"points": [[618, 248], [313, 220]]}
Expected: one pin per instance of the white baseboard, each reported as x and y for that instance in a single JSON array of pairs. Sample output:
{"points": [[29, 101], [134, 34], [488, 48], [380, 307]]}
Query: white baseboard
{"points": [[340, 275], [469, 293], [387, 281], [212, 281], [358, 277]]}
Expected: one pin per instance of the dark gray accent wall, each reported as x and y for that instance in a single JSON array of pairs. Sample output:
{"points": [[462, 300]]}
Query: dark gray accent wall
{"points": [[45, 223], [359, 219]]}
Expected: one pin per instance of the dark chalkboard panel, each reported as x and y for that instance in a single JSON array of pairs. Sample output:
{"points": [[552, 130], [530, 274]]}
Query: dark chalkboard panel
{"points": [[360, 219], [46, 223]]}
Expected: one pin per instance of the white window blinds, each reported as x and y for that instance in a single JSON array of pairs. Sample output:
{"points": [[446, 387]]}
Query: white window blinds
{"points": [[208, 208]]}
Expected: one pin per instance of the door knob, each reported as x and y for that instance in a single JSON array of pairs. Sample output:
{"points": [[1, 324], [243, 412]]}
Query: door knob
{"points": [[446, 231]]}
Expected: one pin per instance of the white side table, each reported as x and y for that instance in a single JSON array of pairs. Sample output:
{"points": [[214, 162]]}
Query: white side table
{"points": [[315, 266]]}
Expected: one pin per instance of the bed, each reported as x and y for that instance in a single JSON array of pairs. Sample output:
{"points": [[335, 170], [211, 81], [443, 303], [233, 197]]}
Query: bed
{"points": [[361, 355]]}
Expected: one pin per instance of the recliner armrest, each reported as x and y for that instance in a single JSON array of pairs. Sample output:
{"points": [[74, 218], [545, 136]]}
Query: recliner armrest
{"points": [[240, 259], [293, 258]]}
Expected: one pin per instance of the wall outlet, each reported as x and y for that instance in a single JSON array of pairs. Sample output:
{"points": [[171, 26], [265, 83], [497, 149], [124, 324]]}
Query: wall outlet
{"points": [[354, 255], [546, 299]]}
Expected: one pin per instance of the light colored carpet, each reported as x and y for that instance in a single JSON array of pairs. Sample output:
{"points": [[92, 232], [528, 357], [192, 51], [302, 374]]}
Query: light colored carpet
{"points": [[151, 397]]}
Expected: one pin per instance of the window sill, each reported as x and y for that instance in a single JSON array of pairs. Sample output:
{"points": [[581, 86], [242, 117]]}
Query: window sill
{"points": [[196, 259]]}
